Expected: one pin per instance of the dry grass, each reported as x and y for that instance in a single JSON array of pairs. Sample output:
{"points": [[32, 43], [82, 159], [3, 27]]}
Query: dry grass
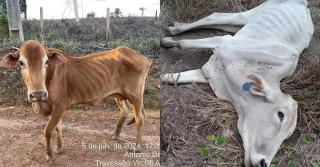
{"points": [[190, 113], [90, 35]]}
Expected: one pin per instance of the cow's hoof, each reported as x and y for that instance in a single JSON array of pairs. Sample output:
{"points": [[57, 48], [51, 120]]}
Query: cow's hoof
{"points": [[171, 24], [168, 31], [58, 151], [167, 42], [49, 160], [115, 137]]}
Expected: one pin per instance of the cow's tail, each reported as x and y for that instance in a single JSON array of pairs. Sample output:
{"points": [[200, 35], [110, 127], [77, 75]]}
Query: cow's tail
{"points": [[191, 76]]}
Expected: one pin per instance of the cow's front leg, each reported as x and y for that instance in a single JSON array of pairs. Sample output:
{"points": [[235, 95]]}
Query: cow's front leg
{"points": [[59, 137], [205, 43], [50, 127]]}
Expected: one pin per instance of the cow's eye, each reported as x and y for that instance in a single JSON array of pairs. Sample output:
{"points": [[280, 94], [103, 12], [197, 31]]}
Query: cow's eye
{"points": [[21, 63], [47, 63], [280, 115]]}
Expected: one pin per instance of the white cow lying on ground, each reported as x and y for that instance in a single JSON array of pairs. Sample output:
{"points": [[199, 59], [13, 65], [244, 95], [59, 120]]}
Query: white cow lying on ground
{"points": [[246, 69]]}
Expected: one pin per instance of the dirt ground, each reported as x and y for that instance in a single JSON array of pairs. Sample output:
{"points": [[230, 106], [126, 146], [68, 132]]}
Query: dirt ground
{"points": [[22, 142], [191, 112]]}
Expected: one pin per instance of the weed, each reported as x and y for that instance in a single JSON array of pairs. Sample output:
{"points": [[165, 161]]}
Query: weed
{"points": [[114, 44], [144, 46], [5, 94], [290, 161], [68, 45], [202, 150], [65, 128], [303, 96], [215, 143], [274, 162], [150, 89], [314, 164], [304, 140], [52, 35], [81, 107]]}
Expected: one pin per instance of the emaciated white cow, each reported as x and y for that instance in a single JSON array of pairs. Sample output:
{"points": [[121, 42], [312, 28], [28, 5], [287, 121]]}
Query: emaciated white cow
{"points": [[246, 69]]}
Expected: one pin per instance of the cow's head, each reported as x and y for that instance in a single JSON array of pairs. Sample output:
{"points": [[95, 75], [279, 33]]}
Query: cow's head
{"points": [[33, 59], [265, 122]]}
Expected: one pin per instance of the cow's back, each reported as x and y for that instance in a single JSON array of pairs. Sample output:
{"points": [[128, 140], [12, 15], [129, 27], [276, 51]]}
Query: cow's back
{"points": [[98, 75]]}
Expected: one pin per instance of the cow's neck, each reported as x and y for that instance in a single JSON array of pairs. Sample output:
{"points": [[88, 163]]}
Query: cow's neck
{"points": [[56, 82]]}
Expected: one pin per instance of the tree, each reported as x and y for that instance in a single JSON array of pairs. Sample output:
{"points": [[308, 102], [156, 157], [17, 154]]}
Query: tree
{"points": [[116, 13], [91, 15], [142, 10], [23, 7]]}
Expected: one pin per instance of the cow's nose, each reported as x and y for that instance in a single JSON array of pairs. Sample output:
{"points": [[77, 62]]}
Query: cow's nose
{"points": [[38, 96], [263, 163]]}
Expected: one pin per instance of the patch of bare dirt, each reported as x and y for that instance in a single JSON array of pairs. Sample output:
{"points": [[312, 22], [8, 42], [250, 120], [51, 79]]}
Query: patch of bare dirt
{"points": [[22, 142]]}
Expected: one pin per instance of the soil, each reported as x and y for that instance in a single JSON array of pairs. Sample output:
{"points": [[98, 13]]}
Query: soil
{"points": [[22, 142]]}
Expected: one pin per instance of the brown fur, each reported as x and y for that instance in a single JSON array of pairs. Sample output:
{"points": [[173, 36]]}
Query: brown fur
{"points": [[120, 73]]}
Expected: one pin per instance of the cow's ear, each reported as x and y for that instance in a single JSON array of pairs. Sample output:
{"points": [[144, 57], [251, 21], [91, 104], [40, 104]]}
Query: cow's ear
{"points": [[10, 60], [56, 58], [261, 88]]}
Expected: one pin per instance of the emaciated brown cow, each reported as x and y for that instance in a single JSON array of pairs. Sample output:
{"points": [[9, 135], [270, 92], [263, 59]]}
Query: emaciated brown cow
{"points": [[56, 80]]}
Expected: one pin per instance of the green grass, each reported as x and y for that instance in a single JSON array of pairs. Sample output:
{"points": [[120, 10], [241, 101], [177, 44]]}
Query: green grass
{"points": [[303, 96], [67, 45], [142, 45]]}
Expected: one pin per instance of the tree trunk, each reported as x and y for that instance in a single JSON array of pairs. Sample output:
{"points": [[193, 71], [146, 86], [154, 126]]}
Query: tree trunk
{"points": [[76, 10]]}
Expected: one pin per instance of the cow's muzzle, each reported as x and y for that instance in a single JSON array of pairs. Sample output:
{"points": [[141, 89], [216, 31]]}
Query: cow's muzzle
{"points": [[38, 96], [261, 164]]}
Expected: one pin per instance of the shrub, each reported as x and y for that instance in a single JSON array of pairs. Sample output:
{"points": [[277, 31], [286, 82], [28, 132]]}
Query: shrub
{"points": [[91, 15], [4, 26]]}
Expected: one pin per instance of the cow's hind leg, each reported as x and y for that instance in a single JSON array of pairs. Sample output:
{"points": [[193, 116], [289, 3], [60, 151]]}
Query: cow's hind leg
{"points": [[59, 137], [231, 22], [191, 76], [137, 107], [123, 106], [50, 127], [206, 43]]}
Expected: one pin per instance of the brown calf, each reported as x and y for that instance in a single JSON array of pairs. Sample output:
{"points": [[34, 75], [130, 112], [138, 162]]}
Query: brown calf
{"points": [[56, 80]]}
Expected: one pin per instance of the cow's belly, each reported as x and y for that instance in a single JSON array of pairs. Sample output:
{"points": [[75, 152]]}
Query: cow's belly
{"points": [[288, 23]]}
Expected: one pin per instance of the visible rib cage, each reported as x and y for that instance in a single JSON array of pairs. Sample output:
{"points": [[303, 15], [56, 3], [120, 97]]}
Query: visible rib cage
{"points": [[282, 22]]}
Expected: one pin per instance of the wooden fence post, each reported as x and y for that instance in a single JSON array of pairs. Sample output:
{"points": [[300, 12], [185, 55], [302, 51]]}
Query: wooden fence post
{"points": [[14, 19], [41, 26], [75, 4], [108, 33], [156, 14]]}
